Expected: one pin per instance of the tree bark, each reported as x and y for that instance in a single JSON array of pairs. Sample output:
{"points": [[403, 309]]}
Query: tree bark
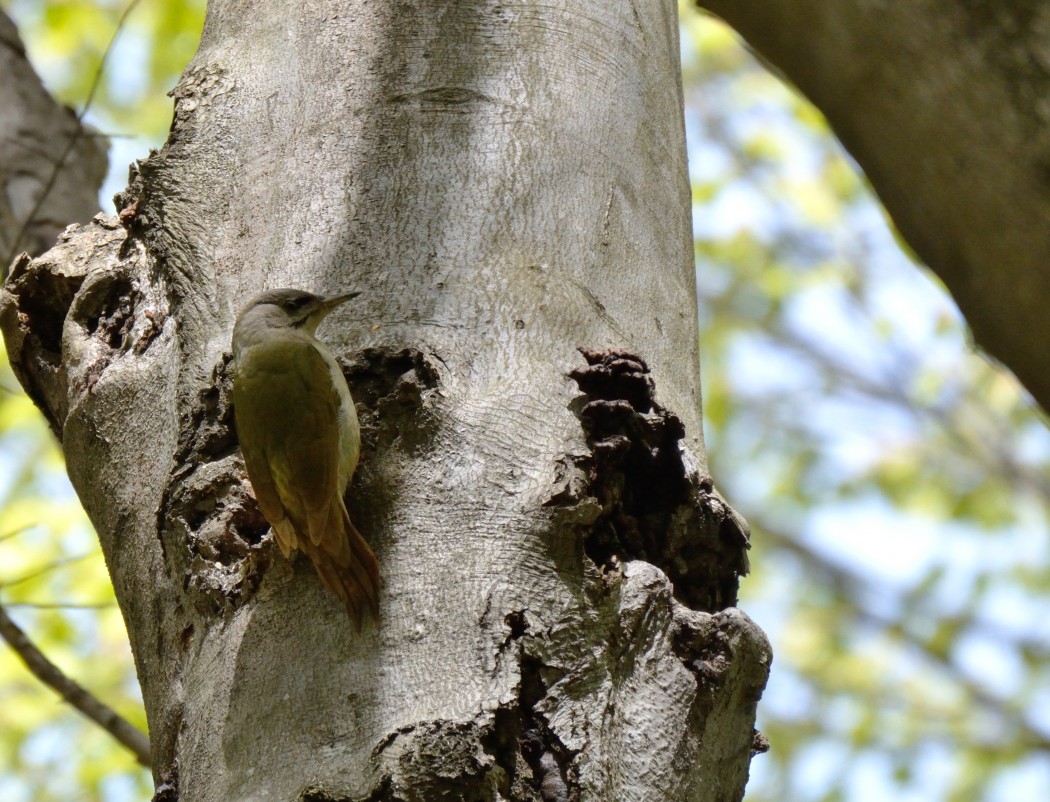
{"points": [[505, 183], [943, 104], [51, 167]]}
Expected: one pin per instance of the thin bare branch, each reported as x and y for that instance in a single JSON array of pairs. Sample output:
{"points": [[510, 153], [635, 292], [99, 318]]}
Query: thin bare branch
{"points": [[51, 566], [47, 672], [850, 585], [15, 532], [62, 605]]}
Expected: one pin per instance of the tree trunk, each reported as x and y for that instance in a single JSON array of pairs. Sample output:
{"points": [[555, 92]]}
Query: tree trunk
{"points": [[504, 182], [943, 104]]}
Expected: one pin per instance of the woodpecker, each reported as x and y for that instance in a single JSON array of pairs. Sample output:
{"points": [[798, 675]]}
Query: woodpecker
{"points": [[300, 438]]}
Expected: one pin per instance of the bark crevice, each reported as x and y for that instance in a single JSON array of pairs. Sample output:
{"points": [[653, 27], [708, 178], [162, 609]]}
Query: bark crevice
{"points": [[34, 302], [212, 531], [638, 493]]}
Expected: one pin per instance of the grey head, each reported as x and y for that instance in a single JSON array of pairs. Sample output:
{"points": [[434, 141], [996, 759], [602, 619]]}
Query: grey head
{"points": [[285, 308]]}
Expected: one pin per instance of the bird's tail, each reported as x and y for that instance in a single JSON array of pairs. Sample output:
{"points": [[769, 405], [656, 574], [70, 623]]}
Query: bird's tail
{"points": [[346, 565]]}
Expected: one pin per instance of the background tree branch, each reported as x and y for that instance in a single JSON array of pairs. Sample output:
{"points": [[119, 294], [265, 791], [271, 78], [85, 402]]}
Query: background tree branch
{"points": [[136, 741], [51, 165], [943, 105]]}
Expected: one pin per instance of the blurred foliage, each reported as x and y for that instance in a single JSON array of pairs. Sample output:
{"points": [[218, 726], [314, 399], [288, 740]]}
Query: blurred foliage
{"points": [[54, 584], [898, 484], [66, 40], [52, 576]]}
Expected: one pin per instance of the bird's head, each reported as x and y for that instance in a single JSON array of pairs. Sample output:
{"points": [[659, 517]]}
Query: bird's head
{"points": [[292, 308]]}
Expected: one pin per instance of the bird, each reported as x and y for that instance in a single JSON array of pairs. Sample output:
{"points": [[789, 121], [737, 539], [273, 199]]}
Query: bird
{"points": [[300, 438]]}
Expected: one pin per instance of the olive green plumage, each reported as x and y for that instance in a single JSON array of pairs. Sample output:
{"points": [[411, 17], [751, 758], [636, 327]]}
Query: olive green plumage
{"points": [[300, 438]]}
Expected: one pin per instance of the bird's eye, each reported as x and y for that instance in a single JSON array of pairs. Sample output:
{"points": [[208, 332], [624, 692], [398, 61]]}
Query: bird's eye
{"points": [[294, 304]]}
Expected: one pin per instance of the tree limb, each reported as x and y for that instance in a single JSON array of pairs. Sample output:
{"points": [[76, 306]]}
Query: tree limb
{"points": [[47, 672], [50, 167], [941, 105]]}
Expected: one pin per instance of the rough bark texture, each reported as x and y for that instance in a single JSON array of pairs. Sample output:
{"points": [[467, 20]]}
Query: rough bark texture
{"points": [[504, 182], [944, 105], [37, 197]]}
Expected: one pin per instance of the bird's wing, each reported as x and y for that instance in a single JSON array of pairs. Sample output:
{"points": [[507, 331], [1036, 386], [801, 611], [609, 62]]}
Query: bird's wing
{"points": [[304, 450], [251, 415]]}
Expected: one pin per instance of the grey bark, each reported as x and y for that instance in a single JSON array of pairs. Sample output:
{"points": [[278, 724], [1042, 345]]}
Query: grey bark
{"points": [[51, 167], [944, 105], [504, 182]]}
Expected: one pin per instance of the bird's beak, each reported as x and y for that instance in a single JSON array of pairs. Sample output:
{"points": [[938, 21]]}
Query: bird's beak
{"points": [[332, 301]]}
